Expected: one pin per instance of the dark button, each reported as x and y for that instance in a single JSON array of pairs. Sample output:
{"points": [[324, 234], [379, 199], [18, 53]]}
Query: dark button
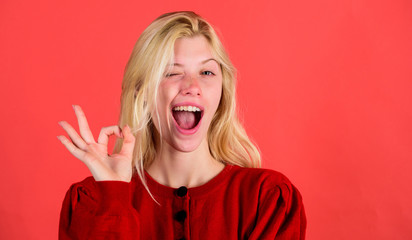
{"points": [[181, 192], [180, 216]]}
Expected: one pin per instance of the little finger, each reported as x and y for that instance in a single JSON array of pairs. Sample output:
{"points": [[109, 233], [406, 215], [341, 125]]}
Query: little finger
{"points": [[72, 149]]}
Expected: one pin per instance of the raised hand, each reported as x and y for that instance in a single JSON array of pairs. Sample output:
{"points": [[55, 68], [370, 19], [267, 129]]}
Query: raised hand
{"points": [[104, 167]]}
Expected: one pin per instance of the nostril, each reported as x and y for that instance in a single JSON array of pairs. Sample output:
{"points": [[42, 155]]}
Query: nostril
{"points": [[192, 91]]}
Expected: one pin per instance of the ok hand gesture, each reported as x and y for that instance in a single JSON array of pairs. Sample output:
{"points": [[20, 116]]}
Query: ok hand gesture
{"points": [[104, 167]]}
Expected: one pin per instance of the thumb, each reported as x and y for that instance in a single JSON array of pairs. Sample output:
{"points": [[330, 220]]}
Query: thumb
{"points": [[128, 142]]}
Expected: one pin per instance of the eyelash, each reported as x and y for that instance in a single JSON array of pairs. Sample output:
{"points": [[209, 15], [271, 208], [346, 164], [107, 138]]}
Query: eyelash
{"points": [[171, 74], [211, 73], [207, 73]]}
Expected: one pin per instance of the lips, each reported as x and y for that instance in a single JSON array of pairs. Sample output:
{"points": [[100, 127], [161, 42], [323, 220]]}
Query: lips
{"points": [[187, 117]]}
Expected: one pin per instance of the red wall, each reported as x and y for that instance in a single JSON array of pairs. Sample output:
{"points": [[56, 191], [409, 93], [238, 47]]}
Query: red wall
{"points": [[324, 89]]}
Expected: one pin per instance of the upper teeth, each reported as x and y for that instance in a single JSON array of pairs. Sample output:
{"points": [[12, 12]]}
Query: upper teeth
{"points": [[187, 108]]}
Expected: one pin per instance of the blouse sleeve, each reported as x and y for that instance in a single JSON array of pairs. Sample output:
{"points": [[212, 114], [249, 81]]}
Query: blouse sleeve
{"points": [[281, 215], [98, 210]]}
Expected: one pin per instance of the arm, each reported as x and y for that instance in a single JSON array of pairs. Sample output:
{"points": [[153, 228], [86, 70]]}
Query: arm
{"points": [[98, 210], [99, 207], [281, 215]]}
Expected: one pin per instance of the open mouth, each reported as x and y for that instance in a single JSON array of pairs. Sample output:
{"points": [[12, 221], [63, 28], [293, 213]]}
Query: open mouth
{"points": [[187, 117]]}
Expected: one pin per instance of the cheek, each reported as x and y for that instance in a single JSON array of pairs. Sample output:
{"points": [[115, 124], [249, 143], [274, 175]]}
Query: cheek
{"points": [[167, 91], [217, 94], [218, 97], [213, 97], [165, 96]]}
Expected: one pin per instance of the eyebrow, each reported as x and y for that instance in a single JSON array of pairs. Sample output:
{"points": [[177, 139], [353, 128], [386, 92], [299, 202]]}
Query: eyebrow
{"points": [[203, 62]]}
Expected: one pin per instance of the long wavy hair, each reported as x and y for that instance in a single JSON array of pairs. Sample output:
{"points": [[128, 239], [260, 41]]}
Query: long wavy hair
{"points": [[227, 139]]}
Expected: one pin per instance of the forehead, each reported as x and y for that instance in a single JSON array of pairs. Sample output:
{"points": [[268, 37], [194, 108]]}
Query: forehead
{"points": [[189, 49]]}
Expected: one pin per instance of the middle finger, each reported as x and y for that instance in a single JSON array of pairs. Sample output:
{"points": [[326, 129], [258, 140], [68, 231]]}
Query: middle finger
{"points": [[83, 125]]}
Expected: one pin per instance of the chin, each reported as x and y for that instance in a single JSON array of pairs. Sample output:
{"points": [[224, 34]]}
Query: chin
{"points": [[186, 146]]}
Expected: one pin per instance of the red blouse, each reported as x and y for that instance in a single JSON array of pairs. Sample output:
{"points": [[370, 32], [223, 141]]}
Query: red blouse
{"points": [[239, 203]]}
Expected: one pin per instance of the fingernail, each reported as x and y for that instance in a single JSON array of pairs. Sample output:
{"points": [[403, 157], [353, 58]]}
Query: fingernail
{"points": [[74, 107], [58, 137]]}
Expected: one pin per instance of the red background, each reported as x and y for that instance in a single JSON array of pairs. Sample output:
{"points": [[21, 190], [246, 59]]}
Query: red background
{"points": [[324, 89]]}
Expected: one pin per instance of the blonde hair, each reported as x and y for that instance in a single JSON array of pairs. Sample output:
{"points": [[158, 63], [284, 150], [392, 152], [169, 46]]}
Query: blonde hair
{"points": [[228, 141]]}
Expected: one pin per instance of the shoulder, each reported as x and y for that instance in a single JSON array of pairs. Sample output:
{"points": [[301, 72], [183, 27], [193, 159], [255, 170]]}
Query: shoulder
{"points": [[279, 209], [88, 183], [264, 184], [265, 179], [89, 191], [85, 187], [269, 186], [91, 186]]}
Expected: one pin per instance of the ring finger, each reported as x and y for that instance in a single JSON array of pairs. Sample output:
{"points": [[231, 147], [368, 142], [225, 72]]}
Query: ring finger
{"points": [[74, 136]]}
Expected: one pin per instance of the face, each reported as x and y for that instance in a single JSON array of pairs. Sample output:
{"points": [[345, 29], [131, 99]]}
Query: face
{"points": [[189, 95]]}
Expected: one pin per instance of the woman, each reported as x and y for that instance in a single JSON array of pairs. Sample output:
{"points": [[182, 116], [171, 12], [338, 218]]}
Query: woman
{"points": [[183, 166]]}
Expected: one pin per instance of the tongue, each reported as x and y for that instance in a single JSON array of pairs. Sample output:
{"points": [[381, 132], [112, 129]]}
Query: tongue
{"points": [[186, 120]]}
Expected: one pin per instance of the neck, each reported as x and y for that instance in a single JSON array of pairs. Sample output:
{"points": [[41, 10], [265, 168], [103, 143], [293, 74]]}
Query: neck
{"points": [[191, 169]]}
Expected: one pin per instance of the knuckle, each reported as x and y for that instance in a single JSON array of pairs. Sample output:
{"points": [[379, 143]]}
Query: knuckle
{"points": [[86, 158], [129, 140], [64, 140], [80, 113]]}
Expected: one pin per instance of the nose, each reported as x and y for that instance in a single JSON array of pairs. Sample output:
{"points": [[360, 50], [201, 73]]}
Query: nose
{"points": [[190, 86]]}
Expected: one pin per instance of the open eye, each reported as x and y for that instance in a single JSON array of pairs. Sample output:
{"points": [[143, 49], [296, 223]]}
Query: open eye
{"points": [[208, 73]]}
